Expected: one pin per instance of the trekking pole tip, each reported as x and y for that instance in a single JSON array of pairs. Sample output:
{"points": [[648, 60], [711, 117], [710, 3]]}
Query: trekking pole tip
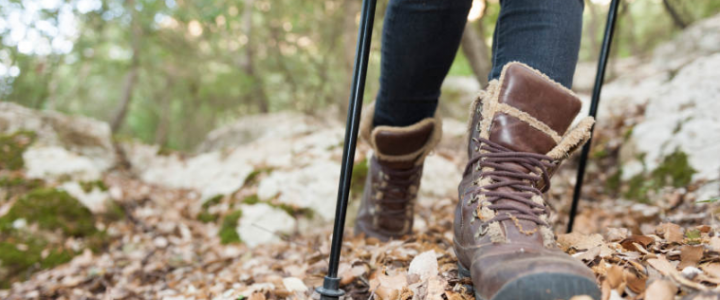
{"points": [[330, 290]]}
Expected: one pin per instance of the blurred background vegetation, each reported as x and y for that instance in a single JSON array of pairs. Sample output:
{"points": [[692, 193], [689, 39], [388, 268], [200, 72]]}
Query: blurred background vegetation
{"points": [[168, 71]]}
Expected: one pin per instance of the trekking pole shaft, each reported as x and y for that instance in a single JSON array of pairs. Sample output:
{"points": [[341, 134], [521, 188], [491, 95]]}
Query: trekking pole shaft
{"points": [[330, 288], [599, 78]]}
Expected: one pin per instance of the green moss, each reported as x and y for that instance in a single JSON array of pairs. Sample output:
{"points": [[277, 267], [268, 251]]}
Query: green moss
{"points": [[675, 170], [113, 211], [250, 200], [212, 201], [51, 209], [359, 174], [205, 216], [14, 185], [12, 147], [88, 186], [613, 182], [638, 188], [227, 232], [252, 178], [18, 263]]}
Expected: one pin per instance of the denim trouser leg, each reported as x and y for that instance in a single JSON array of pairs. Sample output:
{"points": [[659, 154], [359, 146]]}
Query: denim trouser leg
{"points": [[542, 34], [420, 39], [419, 42]]}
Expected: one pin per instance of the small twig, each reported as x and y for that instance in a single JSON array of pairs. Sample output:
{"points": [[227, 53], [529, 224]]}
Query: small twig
{"points": [[286, 239]]}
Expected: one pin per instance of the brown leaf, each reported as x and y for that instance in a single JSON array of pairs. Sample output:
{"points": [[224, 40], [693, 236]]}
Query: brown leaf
{"points": [[690, 255], [579, 241], [715, 243], [661, 290], [388, 287], [641, 240], [672, 233], [616, 234], [662, 265], [635, 283], [257, 296], [615, 276], [713, 269]]}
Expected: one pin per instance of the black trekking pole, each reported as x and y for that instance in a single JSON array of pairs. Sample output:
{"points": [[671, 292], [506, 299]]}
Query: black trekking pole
{"points": [[331, 284], [599, 78]]}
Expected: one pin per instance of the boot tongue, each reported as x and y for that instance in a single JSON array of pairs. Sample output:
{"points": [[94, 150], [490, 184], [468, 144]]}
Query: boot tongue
{"points": [[533, 111], [397, 142]]}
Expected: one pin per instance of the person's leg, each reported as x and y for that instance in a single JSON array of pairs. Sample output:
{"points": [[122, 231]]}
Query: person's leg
{"points": [[419, 42], [542, 34]]}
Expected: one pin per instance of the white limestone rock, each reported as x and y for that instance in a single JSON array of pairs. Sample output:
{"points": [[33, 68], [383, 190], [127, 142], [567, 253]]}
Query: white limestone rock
{"points": [[95, 200], [260, 224], [81, 136], [313, 186], [440, 178], [53, 162]]}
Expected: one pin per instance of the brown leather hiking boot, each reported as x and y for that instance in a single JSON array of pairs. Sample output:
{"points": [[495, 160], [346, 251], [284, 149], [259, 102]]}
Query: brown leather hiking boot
{"points": [[518, 137], [387, 208]]}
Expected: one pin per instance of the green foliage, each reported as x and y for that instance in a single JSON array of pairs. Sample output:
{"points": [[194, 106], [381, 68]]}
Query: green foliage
{"points": [[12, 147], [227, 233]]}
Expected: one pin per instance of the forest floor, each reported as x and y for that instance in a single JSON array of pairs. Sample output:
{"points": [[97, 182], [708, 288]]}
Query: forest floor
{"points": [[81, 218]]}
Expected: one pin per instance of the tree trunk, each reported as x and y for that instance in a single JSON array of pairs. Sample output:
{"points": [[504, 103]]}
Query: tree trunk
{"points": [[247, 64], [162, 129], [677, 20], [131, 77], [477, 52]]}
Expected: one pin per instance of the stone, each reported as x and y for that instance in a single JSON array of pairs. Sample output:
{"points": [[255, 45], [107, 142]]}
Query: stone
{"points": [[54, 162], [81, 136], [261, 224], [424, 265], [95, 200], [313, 187]]}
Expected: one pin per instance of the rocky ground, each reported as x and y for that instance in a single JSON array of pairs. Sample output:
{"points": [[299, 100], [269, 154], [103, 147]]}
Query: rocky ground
{"points": [[83, 216]]}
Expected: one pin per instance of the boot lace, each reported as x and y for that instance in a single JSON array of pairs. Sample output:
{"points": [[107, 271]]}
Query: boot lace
{"points": [[504, 174], [395, 190]]}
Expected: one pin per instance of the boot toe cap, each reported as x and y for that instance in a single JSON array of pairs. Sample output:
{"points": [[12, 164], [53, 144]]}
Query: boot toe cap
{"points": [[544, 275]]}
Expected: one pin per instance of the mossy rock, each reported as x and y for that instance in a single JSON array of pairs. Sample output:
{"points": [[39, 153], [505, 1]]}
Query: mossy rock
{"points": [[14, 185], [18, 263], [674, 170], [24, 251], [12, 147], [52, 209]]}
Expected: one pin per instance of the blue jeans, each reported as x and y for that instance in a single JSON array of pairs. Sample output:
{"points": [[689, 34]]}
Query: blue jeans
{"points": [[421, 37]]}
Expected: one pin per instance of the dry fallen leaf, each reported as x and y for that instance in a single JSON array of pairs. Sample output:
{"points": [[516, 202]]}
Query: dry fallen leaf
{"points": [[671, 232], [661, 290], [690, 255], [642, 240], [579, 241]]}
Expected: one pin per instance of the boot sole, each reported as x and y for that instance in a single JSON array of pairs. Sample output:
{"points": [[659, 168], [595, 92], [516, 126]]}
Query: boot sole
{"points": [[542, 286]]}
